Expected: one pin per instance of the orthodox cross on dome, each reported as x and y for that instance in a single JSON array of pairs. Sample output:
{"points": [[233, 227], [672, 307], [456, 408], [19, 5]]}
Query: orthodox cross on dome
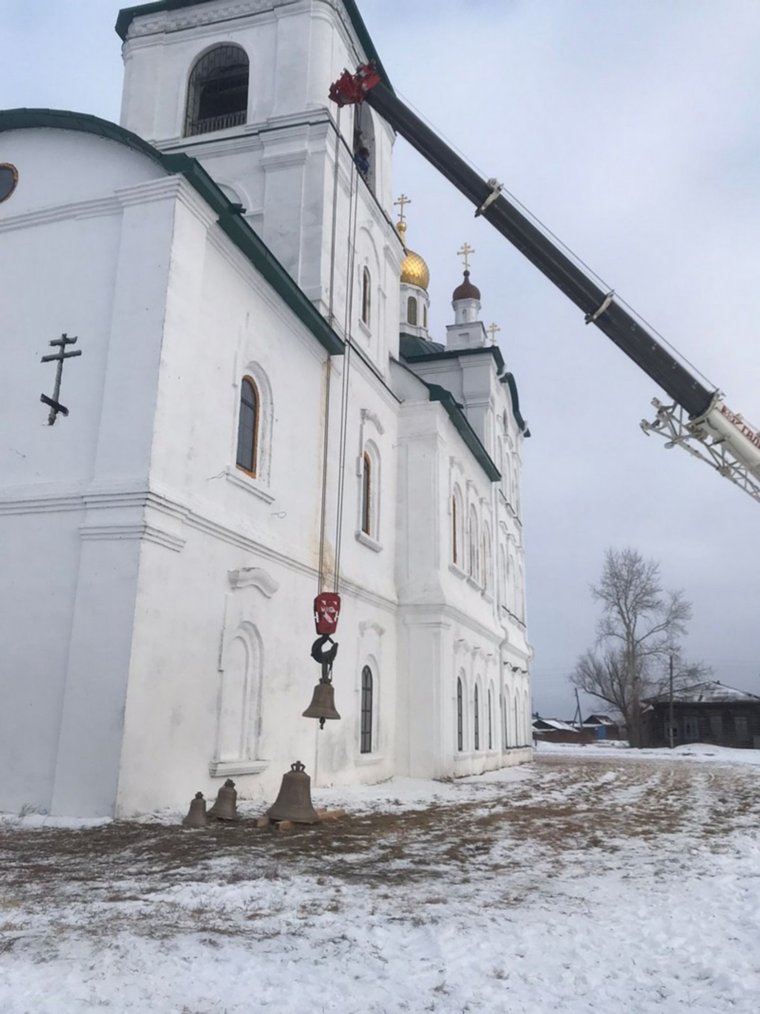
{"points": [[403, 200], [492, 330], [465, 254], [55, 405]]}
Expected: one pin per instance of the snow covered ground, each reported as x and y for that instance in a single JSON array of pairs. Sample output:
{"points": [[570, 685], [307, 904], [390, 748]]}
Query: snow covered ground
{"points": [[598, 878]]}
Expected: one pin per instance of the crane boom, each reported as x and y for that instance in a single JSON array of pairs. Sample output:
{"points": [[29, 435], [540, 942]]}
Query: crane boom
{"points": [[698, 419]]}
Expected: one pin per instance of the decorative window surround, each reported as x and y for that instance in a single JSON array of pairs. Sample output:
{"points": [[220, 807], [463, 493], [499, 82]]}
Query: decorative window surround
{"points": [[240, 478], [368, 541]]}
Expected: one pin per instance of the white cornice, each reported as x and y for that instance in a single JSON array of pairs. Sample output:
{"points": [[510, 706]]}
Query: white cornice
{"points": [[97, 208]]}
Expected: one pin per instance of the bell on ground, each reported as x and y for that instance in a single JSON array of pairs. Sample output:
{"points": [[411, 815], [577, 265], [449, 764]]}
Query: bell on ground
{"points": [[322, 703], [294, 800], [196, 815], [225, 804]]}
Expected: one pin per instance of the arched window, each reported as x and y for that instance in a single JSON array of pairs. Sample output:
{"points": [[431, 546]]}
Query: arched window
{"points": [[490, 721], [460, 715], [366, 493], [457, 524], [424, 315], [366, 712], [217, 94], [239, 704], [411, 310], [504, 737], [518, 734], [366, 296], [476, 719], [454, 532], [487, 561], [474, 553], [503, 576], [248, 427]]}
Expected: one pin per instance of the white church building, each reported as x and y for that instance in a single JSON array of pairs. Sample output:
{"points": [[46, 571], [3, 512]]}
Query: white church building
{"points": [[243, 406]]}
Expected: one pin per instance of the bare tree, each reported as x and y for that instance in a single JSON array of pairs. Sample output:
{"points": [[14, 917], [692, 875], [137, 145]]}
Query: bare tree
{"points": [[638, 631]]}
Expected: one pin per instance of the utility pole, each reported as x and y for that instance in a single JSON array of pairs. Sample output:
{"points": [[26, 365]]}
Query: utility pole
{"points": [[670, 707]]}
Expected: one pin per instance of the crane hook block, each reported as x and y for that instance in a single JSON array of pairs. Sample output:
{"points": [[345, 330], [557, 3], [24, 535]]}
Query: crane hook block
{"points": [[326, 612], [350, 89]]}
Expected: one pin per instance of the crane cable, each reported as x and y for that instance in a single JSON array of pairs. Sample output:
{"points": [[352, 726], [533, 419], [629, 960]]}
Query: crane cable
{"points": [[328, 365], [343, 430], [353, 216]]}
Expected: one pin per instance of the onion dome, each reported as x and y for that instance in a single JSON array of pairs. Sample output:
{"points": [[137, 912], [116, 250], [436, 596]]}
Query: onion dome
{"points": [[414, 270], [466, 290]]}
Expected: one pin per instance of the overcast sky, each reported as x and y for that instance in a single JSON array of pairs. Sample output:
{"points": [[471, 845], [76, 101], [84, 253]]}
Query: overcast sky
{"points": [[629, 127]]}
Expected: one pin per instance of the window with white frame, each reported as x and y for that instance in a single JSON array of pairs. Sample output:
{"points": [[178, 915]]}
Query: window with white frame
{"points": [[248, 426], [369, 492], [487, 568]]}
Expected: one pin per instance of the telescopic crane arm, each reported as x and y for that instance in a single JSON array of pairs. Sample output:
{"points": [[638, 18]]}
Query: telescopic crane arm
{"points": [[698, 419]]}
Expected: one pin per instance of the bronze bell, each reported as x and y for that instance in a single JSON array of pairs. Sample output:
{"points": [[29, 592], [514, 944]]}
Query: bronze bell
{"points": [[322, 703], [196, 815], [225, 804], [294, 800]]}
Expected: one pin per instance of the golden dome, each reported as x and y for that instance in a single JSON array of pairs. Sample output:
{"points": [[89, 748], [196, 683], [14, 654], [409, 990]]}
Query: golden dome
{"points": [[414, 270]]}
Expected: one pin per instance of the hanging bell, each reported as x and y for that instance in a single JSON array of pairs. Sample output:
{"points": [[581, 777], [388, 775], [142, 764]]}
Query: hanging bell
{"points": [[294, 801], [225, 804], [196, 815], [322, 703]]}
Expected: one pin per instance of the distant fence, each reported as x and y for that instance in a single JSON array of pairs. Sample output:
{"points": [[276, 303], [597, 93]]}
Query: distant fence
{"points": [[564, 736]]}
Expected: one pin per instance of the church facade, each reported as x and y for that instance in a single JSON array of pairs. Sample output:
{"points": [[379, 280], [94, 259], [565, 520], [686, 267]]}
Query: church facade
{"points": [[222, 397]]}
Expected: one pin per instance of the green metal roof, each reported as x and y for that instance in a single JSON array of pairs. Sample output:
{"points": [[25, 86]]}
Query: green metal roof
{"points": [[229, 217], [128, 14], [464, 429]]}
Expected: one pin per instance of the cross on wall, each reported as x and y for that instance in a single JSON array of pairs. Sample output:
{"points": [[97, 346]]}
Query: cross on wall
{"points": [[54, 403]]}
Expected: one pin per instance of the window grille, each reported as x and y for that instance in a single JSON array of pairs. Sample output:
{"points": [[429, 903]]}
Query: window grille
{"points": [[217, 96]]}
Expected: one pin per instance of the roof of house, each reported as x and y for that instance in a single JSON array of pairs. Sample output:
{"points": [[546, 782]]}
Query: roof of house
{"points": [[229, 215], [127, 15], [707, 692], [553, 723]]}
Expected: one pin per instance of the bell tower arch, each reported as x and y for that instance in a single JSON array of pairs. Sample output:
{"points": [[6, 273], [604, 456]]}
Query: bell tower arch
{"points": [[242, 85]]}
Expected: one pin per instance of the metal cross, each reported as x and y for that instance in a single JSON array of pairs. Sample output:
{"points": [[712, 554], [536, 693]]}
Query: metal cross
{"points": [[55, 405], [492, 331], [401, 202], [465, 252]]}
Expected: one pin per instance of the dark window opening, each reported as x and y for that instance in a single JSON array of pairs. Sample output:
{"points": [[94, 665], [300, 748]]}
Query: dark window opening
{"points": [[366, 494], [366, 733], [460, 724], [476, 721], [217, 95], [248, 427], [411, 310], [366, 296]]}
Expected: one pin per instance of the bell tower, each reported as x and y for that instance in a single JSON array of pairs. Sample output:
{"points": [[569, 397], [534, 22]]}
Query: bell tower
{"points": [[242, 86]]}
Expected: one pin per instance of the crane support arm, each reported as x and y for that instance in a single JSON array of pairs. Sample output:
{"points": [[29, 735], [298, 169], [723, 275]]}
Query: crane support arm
{"points": [[598, 306]]}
